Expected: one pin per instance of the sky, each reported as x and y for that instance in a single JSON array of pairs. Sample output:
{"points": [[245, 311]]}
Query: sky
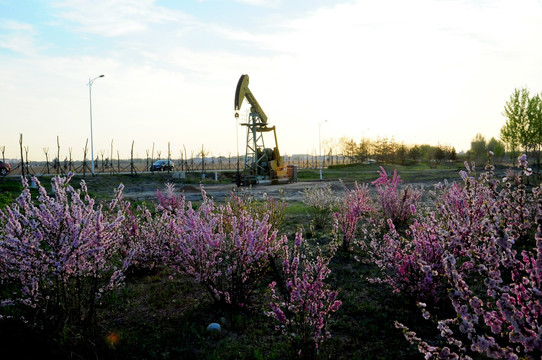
{"points": [[420, 71]]}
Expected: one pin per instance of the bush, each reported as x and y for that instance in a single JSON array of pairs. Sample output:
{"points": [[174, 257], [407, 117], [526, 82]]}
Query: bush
{"points": [[490, 238], [397, 205], [225, 250], [302, 302], [321, 201], [353, 208], [59, 255]]}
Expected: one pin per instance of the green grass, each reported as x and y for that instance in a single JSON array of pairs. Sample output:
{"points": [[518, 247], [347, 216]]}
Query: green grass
{"points": [[364, 173], [294, 208]]}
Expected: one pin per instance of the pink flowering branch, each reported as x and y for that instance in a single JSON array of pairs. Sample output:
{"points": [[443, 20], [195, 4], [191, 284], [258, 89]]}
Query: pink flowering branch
{"points": [[397, 205], [354, 207], [302, 309]]}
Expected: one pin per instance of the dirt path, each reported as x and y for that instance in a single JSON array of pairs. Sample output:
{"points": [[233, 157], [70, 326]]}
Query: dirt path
{"points": [[289, 192]]}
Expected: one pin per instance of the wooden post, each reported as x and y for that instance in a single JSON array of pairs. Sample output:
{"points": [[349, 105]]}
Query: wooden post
{"points": [[185, 158], [27, 164], [85, 165], [168, 155], [192, 159], [202, 161], [70, 164], [22, 158], [152, 154], [132, 167], [46, 151], [111, 157], [58, 154]]}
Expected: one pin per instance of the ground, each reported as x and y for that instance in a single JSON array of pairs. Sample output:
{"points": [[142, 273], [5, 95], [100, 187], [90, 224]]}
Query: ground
{"points": [[144, 187]]}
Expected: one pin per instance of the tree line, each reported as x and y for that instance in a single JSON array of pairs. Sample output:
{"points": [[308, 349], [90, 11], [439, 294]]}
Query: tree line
{"points": [[388, 150]]}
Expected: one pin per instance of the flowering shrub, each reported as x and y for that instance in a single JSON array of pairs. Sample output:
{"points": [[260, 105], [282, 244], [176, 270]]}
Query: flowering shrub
{"points": [[355, 206], [169, 199], [399, 206], [59, 255], [147, 238], [411, 265], [305, 303], [490, 238], [268, 206], [227, 251], [321, 201]]}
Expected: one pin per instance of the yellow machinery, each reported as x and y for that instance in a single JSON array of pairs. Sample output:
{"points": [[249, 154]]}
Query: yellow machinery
{"points": [[261, 163]]}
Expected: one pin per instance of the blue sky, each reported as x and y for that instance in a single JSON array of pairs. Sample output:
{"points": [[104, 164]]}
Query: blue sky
{"points": [[422, 71]]}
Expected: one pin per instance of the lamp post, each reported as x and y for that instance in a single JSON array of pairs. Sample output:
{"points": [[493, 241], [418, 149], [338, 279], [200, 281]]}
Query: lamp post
{"points": [[90, 82], [320, 146]]}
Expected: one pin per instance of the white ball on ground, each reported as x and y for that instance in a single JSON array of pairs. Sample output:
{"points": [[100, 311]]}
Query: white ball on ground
{"points": [[213, 327]]}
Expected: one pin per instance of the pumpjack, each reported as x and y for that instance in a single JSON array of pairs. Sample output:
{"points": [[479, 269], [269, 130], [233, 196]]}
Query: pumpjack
{"points": [[262, 164]]}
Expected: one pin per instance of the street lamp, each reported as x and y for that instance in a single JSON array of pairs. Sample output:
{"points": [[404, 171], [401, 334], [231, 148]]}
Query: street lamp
{"points": [[90, 82], [320, 146]]}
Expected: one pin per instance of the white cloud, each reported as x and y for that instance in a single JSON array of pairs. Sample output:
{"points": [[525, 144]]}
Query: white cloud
{"points": [[112, 18], [18, 37], [421, 71], [262, 3]]}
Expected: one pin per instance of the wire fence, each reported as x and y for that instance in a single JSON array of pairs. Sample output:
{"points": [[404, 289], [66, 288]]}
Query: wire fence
{"points": [[137, 166]]}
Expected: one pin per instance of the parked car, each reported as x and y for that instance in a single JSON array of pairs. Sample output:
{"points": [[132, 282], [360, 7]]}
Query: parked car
{"points": [[4, 168], [161, 165]]}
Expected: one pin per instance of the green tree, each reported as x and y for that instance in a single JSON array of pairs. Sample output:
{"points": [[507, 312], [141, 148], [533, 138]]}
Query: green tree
{"points": [[384, 149], [451, 154], [439, 154], [497, 147], [521, 116], [401, 153], [535, 125], [478, 149], [426, 152], [348, 148], [364, 149], [414, 153]]}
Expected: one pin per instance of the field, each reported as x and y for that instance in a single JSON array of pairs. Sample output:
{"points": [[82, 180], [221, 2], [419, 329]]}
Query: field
{"points": [[159, 315]]}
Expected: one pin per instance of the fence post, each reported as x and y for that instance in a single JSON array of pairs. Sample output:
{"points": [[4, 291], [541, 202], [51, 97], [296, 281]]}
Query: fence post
{"points": [[22, 158]]}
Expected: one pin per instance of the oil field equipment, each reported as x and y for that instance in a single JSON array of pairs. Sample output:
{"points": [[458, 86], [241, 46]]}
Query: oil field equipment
{"points": [[261, 164]]}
